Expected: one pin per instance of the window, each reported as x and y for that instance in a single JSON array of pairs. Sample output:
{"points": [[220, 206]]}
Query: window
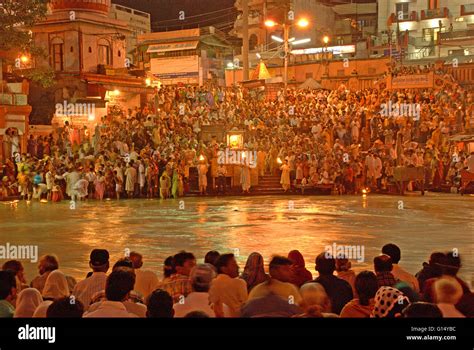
{"points": [[433, 4], [58, 57], [428, 34], [403, 9], [104, 54]]}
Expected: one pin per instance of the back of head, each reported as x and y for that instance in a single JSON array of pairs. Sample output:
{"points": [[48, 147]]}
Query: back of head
{"points": [[196, 314], [447, 290], [13, 265], [343, 264], [49, 263], [99, 260], [123, 263], [314, 294], [451, 263], [159, 305], [275, 268], [56, 286], [169, 267], [325, 264], [201, 277], [383, 263], [7, 282], [119, 284], [422, 310], [211, 257], [180, 258], [366, 286], [392, 251], [65, 308], [136, 259], [223, 261]]}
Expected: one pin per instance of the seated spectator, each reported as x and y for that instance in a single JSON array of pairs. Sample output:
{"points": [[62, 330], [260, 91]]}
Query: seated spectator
{"points": [[300, 275], [145, 281], [169, 269], [316, 302], [179, 283], [389, 303], [211, 257], [254, 271], [46, 264], [383, 271], [431, 269], [450, 265], [366, 286], [86, 289], [56, 287], [65, 308], [422, 310], [198, 300], [394, 252], [269, 305], [27, 302], [227, 288], [279, 282], [466, 305], [338, 290], [17, 267], [7, 293], [196, 314], [117, 289], [448, 292], [159, 305], [343, 271]]}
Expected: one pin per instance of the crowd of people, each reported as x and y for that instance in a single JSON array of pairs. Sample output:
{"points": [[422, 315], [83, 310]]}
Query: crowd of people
{"points": [[215, 288], [310, 137]]}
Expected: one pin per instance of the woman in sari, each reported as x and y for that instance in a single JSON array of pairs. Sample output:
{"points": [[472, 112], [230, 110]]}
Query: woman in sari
{"points": [[27, 302], [99, 186], [56, 287], [300, 274], [254, 272]]}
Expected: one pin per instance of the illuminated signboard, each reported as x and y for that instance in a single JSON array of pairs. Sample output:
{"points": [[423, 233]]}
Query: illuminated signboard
{"points": [[336, 50]]}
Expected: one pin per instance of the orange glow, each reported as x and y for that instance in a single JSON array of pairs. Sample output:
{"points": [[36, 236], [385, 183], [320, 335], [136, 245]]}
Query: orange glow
{"points": [[24, 59], [325, 39], [270, 23], [303, 23]]}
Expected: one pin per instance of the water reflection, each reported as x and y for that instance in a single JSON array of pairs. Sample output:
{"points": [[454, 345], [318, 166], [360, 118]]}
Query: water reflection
{"points": [[269, 225]]}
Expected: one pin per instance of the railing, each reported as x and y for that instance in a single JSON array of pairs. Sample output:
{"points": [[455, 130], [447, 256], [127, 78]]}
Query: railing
{"points": [[412, 16], [466, 33], [442, 12]]}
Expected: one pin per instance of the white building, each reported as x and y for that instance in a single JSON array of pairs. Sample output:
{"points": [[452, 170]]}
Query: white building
{"points": [[138, 22], [429, 28]]}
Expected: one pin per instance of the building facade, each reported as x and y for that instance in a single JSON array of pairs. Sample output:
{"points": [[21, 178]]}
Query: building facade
{"points": [[428, 29], [88, 52], [138, 21], [190, 56]]}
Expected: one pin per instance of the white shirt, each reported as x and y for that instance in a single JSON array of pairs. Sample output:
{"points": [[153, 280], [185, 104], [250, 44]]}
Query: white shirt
{"points": [[139, 310], [110, 309], [229, 291], [145, 282], [197, 301], [85, 290], [405, 276]]}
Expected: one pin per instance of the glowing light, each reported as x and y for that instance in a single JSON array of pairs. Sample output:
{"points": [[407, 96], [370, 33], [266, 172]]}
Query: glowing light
{"points": [[44, 201], [24, 59], [278, 39], [270, 23], [325, 39], [364, 191], [116, 92], [230, 65], [303, 23], [201, 158], [279, 161], [148, 81], [91, 117]]}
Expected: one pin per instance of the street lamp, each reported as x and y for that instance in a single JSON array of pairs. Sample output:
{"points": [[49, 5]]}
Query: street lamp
{"points": [[326, 56], [302, 23]]}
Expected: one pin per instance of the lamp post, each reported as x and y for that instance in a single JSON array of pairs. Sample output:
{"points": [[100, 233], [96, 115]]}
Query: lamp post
{"points": [[326, 56], [302, 23]]}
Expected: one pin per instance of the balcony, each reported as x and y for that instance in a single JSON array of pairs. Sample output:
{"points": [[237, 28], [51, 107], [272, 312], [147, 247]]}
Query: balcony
{"points": [[442, 12], [407, 17], [458, 34], [467, 10]]}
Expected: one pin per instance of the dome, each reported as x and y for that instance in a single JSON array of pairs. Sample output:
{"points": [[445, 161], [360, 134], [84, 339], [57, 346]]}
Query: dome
{"points": [[101, 6]]}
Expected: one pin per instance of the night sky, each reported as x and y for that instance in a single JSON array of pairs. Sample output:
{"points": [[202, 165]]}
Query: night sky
{"points": [[165, 13]]}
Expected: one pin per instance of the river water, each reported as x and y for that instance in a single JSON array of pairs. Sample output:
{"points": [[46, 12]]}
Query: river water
{"points": [[269, 224]]}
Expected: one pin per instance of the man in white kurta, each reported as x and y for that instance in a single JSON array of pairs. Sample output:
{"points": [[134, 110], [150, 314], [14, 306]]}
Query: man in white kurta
{"points": [[285, 176]]}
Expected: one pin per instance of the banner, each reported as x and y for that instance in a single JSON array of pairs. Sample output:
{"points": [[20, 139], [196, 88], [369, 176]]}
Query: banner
{"points": [[416, 81]]}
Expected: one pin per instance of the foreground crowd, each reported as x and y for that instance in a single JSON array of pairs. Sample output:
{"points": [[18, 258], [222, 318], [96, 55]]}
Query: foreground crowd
{"points": [[215, 288]]}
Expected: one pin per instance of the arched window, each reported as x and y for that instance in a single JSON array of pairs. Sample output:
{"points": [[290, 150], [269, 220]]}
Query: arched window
{"points": [[57, 54], [104, 56]]}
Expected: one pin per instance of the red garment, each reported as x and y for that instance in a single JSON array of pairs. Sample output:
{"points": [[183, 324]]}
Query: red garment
{"points": [[300, 274]]}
